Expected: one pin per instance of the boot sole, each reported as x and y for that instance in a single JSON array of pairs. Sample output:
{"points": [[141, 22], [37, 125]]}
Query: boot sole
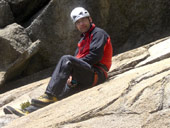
{"points": [[7, 110], [11, 110]]}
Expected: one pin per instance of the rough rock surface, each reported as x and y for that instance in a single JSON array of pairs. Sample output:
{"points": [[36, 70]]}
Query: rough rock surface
{"points": [[15, 50], [135, 96], [6, 16]]}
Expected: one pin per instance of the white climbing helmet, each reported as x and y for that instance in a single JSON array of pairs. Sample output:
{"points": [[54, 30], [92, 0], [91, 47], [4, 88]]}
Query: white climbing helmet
{"points": [[79, 13]]}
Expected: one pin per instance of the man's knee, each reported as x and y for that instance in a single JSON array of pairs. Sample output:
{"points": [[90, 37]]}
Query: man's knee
{"points": [[66, 57], [67, 60]]}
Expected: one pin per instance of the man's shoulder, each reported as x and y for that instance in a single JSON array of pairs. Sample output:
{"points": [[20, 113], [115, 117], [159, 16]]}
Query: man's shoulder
{"points": [[99, 30]]}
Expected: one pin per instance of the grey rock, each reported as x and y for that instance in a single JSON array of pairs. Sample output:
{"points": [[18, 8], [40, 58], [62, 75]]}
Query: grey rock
{"points": [[6, 16], [56, 32], [4, 120], [16, 48]]}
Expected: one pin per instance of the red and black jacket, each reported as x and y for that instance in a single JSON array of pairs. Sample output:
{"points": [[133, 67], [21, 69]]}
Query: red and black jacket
{"points": [[95, 47]]}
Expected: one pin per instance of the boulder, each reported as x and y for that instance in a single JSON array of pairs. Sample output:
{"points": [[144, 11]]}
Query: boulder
{"points": [[6, 15], [135, 97], [15, 50], [55, 30]]}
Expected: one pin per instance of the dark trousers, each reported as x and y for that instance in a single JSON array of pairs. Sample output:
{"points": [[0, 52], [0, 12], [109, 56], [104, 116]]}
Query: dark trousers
{"points": [[80, 71]]}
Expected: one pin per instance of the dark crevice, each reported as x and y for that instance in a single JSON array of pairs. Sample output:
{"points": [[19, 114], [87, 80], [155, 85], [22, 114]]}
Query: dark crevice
{"points": [[96, 112], [23, 11], [90, 116], [164, 82], [107, 105], [132, 65], [142, 77], [157, 59], [136, 81], [138, 96], [125, 67]]}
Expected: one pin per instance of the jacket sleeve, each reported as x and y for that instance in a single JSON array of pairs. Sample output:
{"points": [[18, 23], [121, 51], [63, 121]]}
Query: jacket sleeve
{"points": [[96, 48]]}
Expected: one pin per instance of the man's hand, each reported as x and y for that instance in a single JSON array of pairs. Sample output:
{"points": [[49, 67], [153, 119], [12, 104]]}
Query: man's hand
{"points": [[69, 81]]}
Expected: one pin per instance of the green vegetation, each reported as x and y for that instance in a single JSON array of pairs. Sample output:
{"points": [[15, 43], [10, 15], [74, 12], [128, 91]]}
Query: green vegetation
{"points": [[24, 105]]}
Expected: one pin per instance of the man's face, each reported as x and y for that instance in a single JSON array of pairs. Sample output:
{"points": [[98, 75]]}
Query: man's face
{"points": [[83, 24]]}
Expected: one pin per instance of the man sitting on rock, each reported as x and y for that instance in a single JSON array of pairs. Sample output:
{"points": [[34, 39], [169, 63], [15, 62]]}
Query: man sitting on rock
{"points": [[87, 68]]}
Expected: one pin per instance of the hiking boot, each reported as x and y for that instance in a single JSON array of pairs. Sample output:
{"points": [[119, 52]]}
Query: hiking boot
{"points": [[43, 100], [18, 112]]}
